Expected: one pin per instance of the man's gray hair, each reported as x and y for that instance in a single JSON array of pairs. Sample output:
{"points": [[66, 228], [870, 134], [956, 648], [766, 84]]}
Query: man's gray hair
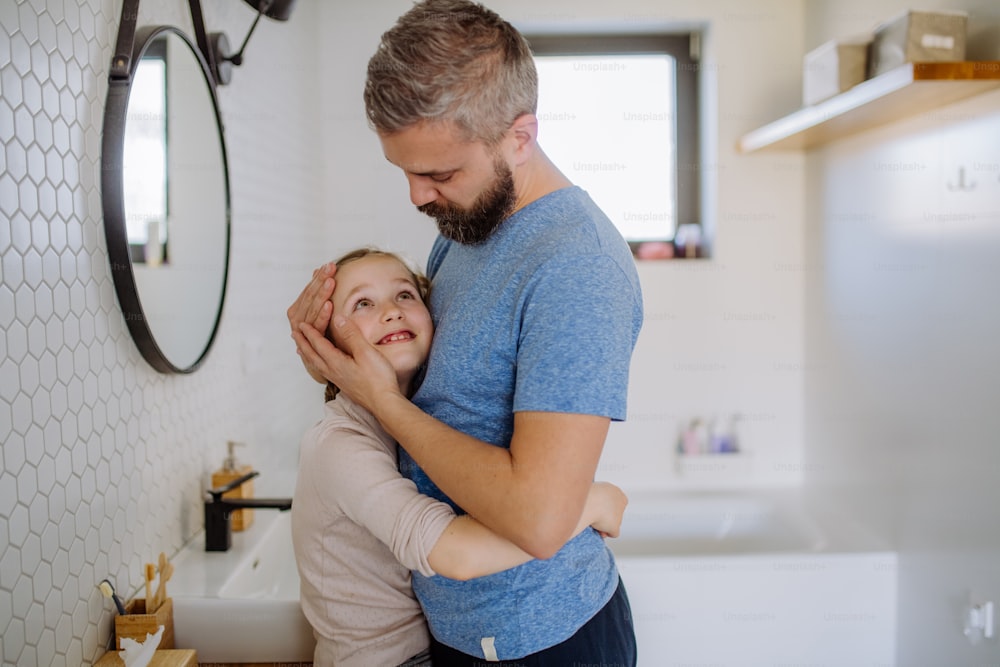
{"points": [[451, 61]]}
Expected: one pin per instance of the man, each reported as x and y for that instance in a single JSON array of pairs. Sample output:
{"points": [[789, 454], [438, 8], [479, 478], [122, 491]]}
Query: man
{"points": [[537, 308]]}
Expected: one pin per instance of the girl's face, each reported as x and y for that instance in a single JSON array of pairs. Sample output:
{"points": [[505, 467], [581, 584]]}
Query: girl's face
{"points": [[379, 295]]}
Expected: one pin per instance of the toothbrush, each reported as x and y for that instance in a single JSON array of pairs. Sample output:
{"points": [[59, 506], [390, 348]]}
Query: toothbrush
{"points": [[166, 570], [150, 575], [108, 591]]}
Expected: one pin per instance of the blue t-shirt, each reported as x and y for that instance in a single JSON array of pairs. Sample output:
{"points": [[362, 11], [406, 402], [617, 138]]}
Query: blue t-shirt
{"points": [[542, 316]]}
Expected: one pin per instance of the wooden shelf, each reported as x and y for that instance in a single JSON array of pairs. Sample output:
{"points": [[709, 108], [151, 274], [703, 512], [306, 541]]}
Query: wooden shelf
{"points": [[905, 91]]}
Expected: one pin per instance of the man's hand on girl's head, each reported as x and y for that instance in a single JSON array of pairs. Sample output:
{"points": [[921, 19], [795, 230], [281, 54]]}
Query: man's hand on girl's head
{"points": [[313, 307]]}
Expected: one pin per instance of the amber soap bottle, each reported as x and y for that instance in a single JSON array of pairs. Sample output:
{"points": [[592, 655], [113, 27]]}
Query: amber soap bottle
{"points": [[240, 519]]}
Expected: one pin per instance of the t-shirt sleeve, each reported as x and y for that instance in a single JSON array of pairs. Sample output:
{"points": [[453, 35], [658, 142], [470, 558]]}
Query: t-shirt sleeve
{"points": [[362, 479], [579, 325], [438, 252]]}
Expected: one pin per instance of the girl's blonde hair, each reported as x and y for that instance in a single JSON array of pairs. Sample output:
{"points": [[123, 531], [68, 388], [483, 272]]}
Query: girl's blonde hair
{"points": [[419, 279]]}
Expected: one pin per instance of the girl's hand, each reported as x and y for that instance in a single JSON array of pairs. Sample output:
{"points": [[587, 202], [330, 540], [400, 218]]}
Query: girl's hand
{"points": [[605, 508]]}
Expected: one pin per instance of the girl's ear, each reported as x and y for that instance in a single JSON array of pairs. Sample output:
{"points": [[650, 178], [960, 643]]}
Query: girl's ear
{"points": [[423, 286]]}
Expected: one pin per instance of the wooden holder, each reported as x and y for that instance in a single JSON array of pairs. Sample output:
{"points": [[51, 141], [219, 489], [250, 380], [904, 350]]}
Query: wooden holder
{"points": [[136, 623], [165, 658]]}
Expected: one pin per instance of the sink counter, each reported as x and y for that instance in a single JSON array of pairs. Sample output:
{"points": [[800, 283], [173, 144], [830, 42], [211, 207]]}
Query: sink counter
{"points": [[200, 573], [242, 605]]}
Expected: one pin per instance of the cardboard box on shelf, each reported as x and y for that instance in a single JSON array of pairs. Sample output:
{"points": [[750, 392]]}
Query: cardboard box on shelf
{"points": [[918, 36]]}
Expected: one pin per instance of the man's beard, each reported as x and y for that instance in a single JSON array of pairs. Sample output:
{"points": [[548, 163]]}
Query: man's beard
{"points": [[474, 225]]}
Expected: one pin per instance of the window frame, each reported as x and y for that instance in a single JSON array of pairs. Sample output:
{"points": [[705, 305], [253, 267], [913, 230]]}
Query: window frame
{"points": [[684, 48]]}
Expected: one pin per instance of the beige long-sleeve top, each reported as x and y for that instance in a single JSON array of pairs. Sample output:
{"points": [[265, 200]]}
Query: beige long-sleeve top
{"points": [[358, 528]]}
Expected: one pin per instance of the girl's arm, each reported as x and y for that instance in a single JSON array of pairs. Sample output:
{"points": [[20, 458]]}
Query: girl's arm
{"points": [[468, 549]]}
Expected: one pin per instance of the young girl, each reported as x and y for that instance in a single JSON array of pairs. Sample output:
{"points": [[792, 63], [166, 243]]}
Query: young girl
{"points": [[358, 526]]}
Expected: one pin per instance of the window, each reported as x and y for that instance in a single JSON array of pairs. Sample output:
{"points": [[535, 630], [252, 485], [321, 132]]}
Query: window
{"points": [[618, 114]]}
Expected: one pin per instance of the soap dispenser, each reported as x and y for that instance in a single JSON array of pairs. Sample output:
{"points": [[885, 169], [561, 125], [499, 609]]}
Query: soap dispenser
{"points": [[240, 519]]}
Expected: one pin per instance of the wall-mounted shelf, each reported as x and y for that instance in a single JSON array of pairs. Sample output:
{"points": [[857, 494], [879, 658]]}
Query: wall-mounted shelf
{"points": [[907, 90]]}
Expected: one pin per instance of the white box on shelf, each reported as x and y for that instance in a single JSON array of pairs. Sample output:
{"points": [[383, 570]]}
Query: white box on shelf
{"points": [[834, 67]]}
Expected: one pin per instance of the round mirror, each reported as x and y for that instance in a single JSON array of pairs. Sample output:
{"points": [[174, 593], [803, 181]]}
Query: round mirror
{"points": [[166, 199]]}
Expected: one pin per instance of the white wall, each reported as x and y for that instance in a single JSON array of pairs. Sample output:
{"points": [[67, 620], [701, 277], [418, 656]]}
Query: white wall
{"points": [[104, 459], [721, 336], [859, 347], [901, 330]]}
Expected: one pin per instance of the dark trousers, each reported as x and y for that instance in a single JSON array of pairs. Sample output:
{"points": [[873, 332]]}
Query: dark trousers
{"points": [[607, 639]]}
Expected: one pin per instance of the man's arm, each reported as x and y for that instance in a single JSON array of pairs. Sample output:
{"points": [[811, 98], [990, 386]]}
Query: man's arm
{"points": [[533, 494], [468, 549]]}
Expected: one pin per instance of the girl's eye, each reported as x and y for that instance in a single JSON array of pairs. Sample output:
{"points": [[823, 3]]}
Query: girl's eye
{"points": [[404, 296], [362, 303]]}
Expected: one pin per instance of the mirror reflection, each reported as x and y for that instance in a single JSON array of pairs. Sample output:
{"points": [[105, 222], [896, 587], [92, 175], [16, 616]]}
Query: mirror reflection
{"points": [[172, 220], [145, 158]]}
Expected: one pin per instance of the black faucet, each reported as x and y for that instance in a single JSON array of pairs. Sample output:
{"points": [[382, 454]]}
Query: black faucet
{"points": [[218, 532]]}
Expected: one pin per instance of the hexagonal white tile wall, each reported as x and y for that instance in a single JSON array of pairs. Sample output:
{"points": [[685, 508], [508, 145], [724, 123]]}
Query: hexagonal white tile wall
{"points": [[103, 458]]}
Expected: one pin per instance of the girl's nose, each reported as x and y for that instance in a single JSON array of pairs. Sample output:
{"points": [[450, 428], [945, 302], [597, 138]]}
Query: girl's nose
{"points": [[392, 312]]}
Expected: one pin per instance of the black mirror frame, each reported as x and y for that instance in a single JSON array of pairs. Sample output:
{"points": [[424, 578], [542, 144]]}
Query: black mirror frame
{"points": [[131, 45]]}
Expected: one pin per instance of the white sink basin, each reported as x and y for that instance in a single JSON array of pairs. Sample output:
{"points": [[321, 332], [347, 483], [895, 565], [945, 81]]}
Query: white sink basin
{"points": [[242, 605]]}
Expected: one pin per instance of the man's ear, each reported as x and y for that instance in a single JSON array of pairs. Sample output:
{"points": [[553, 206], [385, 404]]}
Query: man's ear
{"points": [[524, 132]]}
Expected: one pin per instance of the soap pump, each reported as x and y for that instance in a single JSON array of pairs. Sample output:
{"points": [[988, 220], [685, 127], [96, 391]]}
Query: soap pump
{"points": [[241, 519]]}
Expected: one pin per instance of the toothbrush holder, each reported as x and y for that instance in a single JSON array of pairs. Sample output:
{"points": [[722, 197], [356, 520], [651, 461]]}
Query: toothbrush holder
{"points": [[136, 623]]}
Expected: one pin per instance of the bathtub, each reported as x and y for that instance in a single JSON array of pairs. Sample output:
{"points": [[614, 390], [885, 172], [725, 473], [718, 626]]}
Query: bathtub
{"points": [[728, 578], [754, 578]]}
